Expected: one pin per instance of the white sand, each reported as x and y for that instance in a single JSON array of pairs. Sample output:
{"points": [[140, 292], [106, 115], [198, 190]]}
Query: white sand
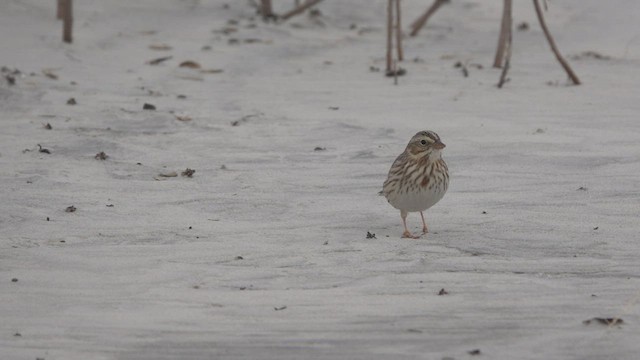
{"points": [[156, 276]]}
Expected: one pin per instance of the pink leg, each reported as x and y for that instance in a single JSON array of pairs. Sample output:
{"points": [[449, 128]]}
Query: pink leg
{"points": [[424, 224]]}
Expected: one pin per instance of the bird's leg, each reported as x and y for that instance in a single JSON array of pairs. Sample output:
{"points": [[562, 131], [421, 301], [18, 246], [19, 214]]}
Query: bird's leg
{"points": [[424, 224], [406, 233]]}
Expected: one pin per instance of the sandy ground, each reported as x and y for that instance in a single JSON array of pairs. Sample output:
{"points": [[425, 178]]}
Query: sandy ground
{"points": [[263, 253]]}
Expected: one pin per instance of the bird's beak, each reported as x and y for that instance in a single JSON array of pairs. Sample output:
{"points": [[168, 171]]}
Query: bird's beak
{"points": [[439, 145]]}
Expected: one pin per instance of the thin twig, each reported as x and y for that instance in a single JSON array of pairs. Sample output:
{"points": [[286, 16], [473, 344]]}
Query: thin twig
{"points": [[304, 6], [507, 59], [505, 29], [389, 35], [554, 48], [399, 32], [422, 20]]}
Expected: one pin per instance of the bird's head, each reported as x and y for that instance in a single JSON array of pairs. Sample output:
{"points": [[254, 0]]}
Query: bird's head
{"points": [[425, 143]]}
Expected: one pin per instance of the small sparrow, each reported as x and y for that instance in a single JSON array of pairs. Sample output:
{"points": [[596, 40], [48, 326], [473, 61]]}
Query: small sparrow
{"points": [[418, 179]]}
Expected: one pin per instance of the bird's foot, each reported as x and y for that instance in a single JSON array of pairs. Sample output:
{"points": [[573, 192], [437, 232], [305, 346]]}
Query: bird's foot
{"points": [[407, 235], [425, 230]]}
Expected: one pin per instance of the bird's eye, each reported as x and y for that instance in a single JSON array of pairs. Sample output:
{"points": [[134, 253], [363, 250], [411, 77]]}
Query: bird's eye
{"points": [[423, 142]]}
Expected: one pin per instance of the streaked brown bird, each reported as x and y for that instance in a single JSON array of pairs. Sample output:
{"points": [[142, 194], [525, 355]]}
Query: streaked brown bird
{"points": [[418, 179]]}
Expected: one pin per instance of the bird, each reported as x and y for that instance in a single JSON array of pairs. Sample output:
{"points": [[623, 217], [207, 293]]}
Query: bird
{"points": [[418, 178]]}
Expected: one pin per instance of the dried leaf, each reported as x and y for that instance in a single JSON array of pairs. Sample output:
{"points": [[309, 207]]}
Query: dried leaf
{"points": [[43, 150], [188, 172], [101, 156]]}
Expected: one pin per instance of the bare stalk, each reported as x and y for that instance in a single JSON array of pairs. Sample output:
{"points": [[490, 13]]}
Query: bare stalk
{"points": [[399, 32], [297, 10], [422, 20], [507, 59], [67, 26], [266, 10], [552, 43], [60, 9], [389, 35], [505, 33]]}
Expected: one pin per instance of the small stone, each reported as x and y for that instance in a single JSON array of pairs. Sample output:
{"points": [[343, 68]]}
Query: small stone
{"points": [[14, 280], [148, 106], [168, 174], [71, 101], [190, 64], [70, 209]]}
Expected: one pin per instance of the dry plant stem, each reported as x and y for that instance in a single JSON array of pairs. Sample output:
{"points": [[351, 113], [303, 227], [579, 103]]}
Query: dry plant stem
{"points": [[507, 60], [305, 5], [422, 20], [389, 35], [59, 10], [505, 30], [399, 31], [395, 72], [266, 9], [67, 26], [552, 43]]}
